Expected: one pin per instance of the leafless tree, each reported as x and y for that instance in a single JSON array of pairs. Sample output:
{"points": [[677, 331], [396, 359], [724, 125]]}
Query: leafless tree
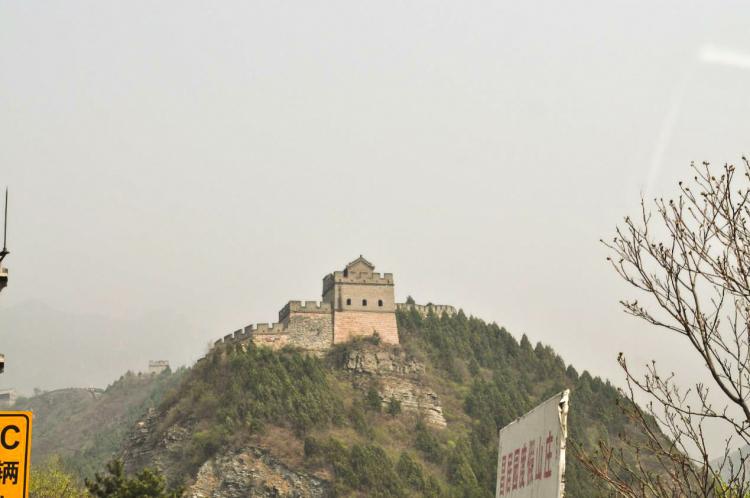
{"points": [[690, 256]]}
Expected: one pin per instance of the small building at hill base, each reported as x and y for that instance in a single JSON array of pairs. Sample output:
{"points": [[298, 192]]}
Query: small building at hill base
{"points": [[7, 398]]}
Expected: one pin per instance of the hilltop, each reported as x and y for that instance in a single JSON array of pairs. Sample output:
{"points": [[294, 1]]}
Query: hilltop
{"points": [[366, 418]]}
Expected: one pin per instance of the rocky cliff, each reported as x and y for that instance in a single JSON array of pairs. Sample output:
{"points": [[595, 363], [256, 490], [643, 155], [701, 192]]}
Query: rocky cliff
{"points": [[251, 472], [396, 375]]}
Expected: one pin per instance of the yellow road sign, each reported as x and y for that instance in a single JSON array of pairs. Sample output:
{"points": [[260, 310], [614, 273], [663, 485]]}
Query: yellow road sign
{"points": [[15, 454]]}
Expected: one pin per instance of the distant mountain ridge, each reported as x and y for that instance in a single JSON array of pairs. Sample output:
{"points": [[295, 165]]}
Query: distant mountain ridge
{"points": [[50, 349]]}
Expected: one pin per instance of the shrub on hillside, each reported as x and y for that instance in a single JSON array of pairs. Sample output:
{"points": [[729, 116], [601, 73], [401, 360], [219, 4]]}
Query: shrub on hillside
{"points": [[365, 468], [115, 484], [51, 479]]}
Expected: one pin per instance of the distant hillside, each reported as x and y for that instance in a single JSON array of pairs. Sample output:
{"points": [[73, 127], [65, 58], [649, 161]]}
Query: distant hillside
{"points": [[88, 427], [730, 466], [366, 420], [49, 349]]}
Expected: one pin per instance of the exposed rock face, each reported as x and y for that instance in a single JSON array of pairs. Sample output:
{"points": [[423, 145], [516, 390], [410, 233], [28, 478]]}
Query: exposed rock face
{"points": [[383, 362], [397, 376], [137, 448], [414, 398], [253, 473], [143, 450]]}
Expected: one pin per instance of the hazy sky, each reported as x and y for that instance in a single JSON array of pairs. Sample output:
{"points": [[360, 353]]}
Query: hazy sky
{"points": [[215, 159]]}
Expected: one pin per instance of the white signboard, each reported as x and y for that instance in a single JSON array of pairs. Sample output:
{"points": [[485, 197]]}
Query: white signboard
{"points": [[531, 459]]}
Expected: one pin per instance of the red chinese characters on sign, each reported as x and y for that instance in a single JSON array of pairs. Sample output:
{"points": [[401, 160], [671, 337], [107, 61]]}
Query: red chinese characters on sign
{"points": [[523, 466], [530, 462]]}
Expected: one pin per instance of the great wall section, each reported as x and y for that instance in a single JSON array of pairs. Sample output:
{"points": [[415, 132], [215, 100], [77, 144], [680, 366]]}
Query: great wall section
{"points": [[356, 302]]}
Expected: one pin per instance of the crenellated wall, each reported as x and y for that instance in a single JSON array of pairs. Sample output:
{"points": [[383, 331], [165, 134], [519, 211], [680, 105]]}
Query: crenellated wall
{"points": [[306, 329], [253, 332], [426, 309], [314, 326], [356, 302], [304, 307], [373, 278]]}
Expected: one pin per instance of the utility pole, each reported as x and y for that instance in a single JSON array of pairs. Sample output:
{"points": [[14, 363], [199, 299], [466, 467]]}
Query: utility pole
{"points": [[4, 271]]}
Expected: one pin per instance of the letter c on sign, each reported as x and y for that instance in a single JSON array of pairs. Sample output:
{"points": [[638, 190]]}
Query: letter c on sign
{"points": [[4, 435]]}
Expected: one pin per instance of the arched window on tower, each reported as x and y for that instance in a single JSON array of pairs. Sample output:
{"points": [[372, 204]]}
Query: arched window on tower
{"points": [[348, 301], [380, 303], [364, 302]]}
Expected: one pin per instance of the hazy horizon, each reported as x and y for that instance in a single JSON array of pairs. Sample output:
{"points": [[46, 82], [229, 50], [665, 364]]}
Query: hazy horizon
{"points": [[213, 161]]}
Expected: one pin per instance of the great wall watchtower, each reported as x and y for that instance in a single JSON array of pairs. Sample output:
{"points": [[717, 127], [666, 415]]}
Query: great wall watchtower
{"points": [[357, 302], [363, 302]]}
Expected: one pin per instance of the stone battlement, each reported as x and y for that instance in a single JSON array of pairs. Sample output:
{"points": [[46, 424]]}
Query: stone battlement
{"points": [[242, 334], [426, 309], [304, 307], [250, 331], [266, 328], [367, 279]]}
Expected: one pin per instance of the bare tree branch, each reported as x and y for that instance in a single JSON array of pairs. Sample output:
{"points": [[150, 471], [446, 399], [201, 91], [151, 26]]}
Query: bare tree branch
{"points": [[691, 259]]}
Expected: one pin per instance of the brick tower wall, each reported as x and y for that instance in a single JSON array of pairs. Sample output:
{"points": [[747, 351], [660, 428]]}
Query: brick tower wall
{"points": [[350, 324]]}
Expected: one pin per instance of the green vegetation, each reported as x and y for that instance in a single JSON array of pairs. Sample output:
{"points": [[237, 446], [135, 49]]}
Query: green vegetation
{"points": [[499, 379], [115, 484], [234, 393], [86, 428], [364, 468], [361, 443], [726, 491], [483, 376], [372, 399], [50, 479], [394, 407]]}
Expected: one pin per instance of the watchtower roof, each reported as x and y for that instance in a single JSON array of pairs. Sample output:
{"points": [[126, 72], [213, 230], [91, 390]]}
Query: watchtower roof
{"points": [[362, 260]]}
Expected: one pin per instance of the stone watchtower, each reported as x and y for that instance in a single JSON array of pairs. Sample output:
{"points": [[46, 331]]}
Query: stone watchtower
{"points": [[363, 302]]}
